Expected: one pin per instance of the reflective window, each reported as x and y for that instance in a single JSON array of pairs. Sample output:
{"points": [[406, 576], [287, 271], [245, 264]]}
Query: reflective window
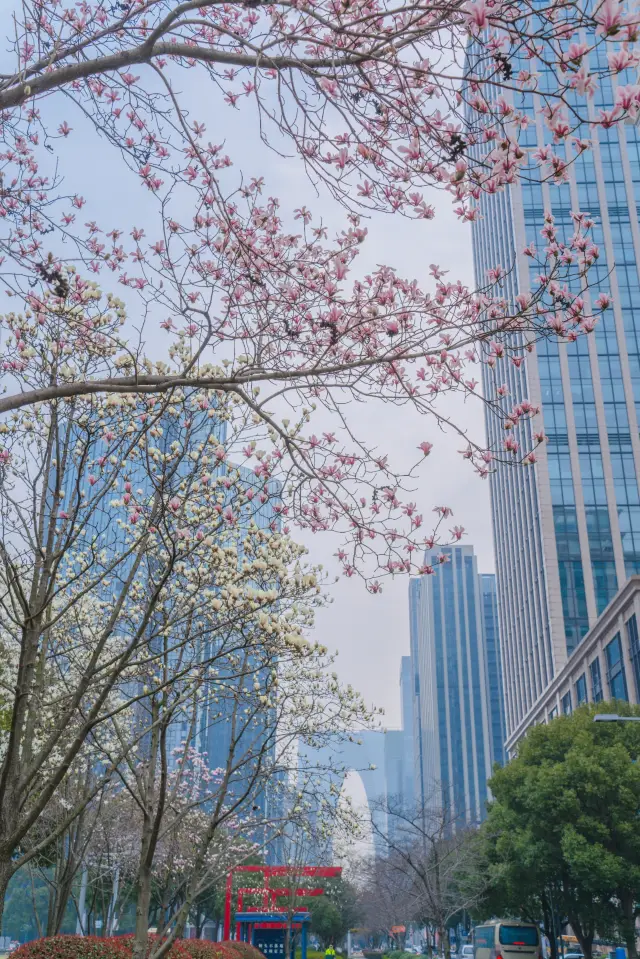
{"points": [[631, 627], [615, 669], [581, 690], [596, 681], [566, 703], [519, 935]]}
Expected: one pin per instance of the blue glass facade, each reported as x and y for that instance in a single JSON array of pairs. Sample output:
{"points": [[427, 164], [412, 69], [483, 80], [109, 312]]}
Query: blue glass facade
{"points": [[459, 715], [585, 537], [417, 588], [398, 746], [490, 629], [406, 699]]}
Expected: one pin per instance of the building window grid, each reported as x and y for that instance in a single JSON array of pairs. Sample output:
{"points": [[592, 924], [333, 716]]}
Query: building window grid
{"points": [[514, 552], [600, 539], [589, 186], [467, 680]]}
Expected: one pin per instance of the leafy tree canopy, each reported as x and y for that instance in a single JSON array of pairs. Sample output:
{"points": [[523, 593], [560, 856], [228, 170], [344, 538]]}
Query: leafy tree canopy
{"points": [[562, 830]]}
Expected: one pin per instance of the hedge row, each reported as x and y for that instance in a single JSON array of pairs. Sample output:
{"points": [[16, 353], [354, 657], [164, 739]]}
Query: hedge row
{"points": [[120, 947], [73, 947]]}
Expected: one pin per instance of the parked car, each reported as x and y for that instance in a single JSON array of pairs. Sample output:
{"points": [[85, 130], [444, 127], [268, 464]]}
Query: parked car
{"points": [[573, 955], [467, 951]]}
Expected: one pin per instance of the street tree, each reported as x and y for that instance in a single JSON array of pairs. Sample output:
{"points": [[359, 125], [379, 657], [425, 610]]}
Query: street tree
{"points": [[334, 913], [436, 857], [58, 863], [562, 826], [385, 897]]}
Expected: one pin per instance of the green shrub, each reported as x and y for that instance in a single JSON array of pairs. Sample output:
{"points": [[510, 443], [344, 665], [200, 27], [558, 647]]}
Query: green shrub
{"points": [[177, 950], [240, 950], [205, 949]]}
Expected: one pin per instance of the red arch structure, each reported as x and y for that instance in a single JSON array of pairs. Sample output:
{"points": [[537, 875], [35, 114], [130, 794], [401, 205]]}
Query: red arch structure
{"points": [[269, 914]]}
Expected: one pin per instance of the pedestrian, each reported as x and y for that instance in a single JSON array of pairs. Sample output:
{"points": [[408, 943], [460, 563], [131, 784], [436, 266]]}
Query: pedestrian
{"points": [[330, 952]]}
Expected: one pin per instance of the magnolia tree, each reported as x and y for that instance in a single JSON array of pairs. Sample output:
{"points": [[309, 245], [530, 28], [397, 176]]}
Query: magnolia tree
{"points": [[378, 103], [142, 583], [108, 867], [58, 861]]}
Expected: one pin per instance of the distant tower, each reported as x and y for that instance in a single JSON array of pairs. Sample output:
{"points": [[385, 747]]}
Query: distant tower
{"points": [[417, 587], [493, 661], [406, 696], [453, 685], [398, 746]]}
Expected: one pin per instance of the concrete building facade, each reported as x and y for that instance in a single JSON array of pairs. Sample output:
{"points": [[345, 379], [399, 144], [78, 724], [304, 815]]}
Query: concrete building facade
{"points": [[606, 664]]}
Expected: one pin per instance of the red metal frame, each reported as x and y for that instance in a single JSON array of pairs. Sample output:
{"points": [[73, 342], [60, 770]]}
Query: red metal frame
{"points": [[269, 896]]}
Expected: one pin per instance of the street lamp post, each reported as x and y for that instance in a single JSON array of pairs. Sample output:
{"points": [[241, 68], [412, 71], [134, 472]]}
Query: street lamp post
{"points": [[614, 718]]}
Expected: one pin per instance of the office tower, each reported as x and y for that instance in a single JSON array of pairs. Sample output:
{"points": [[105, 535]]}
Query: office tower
{"points": [[449, 663], [567, 531], [417, 586], [489, 612], [406, 699], [398, 746]]}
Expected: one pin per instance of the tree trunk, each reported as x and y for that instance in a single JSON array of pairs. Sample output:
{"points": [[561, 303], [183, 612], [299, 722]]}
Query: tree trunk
{"points": [[81, 924], [585, 939], [6, 871], [112, 920], [549, 926], [141, 938], [180, 925], [443, 941], [629, 922]]}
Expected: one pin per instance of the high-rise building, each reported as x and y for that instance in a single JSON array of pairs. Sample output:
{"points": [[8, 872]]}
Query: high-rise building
{"points": [[417, 586], [567, 530], [456, 690], [489, 611], [406, 697], [398, 746]]}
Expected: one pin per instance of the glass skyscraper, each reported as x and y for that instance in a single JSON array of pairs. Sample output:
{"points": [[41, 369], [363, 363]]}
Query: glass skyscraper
{"points": [[398, 747], [489, 601], [457, 691], [567, 531]]}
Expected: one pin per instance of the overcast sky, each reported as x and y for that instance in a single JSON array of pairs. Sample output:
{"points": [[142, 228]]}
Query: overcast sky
{"points": [[370, 633]]}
